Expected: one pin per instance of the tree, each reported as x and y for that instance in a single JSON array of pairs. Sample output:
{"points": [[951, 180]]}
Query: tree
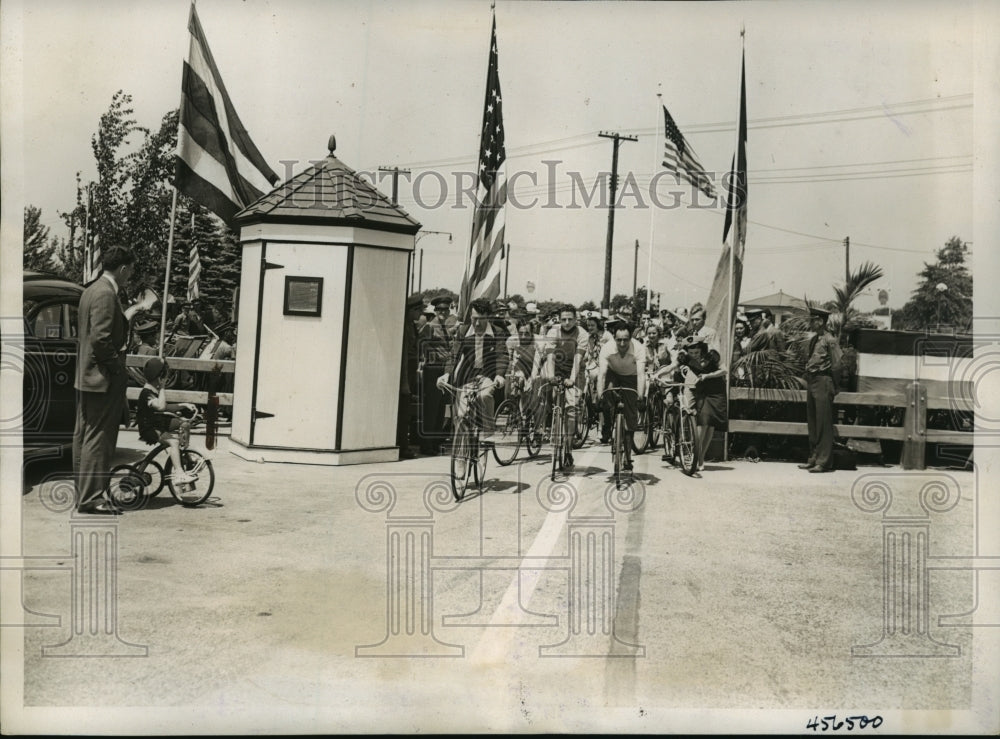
{"points": [[944, 295], [38, 249], [620, 302], [588, 305], [70, 251], [846, 317]]}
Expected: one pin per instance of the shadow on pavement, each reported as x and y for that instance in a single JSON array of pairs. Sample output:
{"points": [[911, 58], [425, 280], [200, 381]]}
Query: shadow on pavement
{"points": [[506, 486]]}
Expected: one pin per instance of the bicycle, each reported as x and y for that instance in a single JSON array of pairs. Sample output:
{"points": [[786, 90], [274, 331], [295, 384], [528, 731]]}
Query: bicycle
{"points": [[131, 485], [648, 426], [513, 427], [678, 425], [468, 453], [618, 434], [562, 442]]}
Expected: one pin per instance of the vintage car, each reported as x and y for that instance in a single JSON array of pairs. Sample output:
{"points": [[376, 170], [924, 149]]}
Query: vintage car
{"points": [[50, 346]]}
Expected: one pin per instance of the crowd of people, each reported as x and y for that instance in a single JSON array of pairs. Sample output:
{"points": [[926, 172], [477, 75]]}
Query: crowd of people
{"points": [[501, 345], [506, 347]]}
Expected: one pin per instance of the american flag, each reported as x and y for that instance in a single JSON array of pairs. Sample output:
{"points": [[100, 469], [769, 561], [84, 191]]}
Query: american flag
{"points": [[482, 266], [679, 157]]}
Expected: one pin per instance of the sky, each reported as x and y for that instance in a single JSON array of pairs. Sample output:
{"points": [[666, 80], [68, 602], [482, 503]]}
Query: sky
{"points": [[860, 122]]}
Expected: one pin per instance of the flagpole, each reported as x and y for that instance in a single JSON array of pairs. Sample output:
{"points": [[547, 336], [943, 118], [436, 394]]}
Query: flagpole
{"points": [[737, 235], [88, 273], [166, 279], [652, 205]]}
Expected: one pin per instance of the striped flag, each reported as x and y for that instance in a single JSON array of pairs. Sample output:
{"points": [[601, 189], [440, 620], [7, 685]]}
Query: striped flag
{"points": [[217, 165], [92, 265], [721, 306], [194, 267], [482, 265], [91, 259], [679, 157]]}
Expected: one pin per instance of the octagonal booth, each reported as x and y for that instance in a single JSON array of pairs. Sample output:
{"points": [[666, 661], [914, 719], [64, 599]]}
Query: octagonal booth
{"points": [[322, 305]]}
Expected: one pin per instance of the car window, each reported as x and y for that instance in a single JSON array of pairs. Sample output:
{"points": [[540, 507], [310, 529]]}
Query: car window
{"points": [[53, 321], [48, 322], [72, 325]]}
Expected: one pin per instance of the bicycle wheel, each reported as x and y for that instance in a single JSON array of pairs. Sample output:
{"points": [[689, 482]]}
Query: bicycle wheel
{"points": [[655, 417], [640, 439], [618, 448], [686, 442], [193, 493], [582, 425], [461, 466], [557, 442], [126, 488], [152, 477], [670, 428], [480, 455], [532, 440], [508, 432]]}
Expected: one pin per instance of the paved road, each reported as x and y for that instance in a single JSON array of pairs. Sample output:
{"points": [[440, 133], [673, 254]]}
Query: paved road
{"points": [[363, 598]]}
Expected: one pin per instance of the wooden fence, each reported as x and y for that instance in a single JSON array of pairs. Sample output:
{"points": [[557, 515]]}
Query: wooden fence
{"points": [[914, 401], [914, 433], [225, 366]]}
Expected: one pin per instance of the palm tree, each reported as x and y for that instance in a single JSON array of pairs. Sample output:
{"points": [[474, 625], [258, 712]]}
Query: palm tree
{"points": [[845, 316]]}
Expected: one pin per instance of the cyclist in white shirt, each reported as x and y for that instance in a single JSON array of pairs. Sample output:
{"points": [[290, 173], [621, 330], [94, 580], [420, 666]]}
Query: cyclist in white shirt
{"points": [[622, 364]]}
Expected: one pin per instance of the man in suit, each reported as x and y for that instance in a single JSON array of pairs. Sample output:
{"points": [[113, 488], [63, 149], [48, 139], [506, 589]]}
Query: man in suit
{"points": [[101, 379]]}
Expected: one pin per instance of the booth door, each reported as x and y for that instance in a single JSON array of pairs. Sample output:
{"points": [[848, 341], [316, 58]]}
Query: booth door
{"points": [[297, 378]]}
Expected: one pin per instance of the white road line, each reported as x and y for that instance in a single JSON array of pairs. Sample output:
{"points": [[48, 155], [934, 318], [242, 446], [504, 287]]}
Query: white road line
{"points": [[494, 645]]}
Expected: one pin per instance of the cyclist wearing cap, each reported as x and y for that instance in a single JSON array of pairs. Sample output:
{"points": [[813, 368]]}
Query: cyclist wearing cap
{"points": [[622, 364], [567, 344], [480, 358], [709, 391], [155, 426]]}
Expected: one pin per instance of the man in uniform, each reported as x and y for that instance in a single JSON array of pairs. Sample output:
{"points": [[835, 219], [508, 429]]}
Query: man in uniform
{"points": [[822, 360], [435, 346], [408, 374]]}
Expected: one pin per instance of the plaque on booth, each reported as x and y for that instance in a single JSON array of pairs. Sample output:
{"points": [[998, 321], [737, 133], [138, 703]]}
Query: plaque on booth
{"points": [[303, 296]]}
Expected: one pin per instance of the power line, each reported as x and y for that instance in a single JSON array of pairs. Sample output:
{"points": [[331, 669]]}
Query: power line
{"points": [[932, 105]]}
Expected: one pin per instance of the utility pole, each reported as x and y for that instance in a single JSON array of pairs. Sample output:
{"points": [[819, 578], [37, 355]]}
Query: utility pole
{"points": [[617, 139], [395, 181], [847, 258], [635, 275]]}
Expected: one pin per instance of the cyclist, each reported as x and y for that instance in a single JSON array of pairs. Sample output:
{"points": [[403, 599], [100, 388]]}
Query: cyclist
{"points": [[479, 357], [567, 344], [622, 364], [525, 369], [155, 425]]}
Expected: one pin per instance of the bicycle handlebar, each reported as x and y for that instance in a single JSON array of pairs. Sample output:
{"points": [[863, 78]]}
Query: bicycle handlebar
{"points": [[618, 389]]}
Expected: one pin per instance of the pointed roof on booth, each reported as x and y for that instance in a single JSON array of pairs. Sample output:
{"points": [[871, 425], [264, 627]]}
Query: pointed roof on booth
{"points": [[328, 193], [777, 300]]}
